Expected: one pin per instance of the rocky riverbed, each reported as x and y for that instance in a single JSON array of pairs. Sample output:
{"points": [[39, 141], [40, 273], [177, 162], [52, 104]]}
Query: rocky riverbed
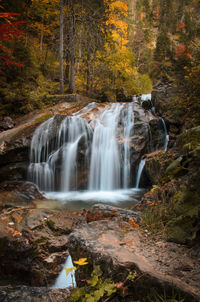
{"points": [[35, 243]]}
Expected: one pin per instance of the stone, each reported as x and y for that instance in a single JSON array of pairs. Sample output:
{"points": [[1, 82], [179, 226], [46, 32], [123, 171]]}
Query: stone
{"points": [[6, 123], [156, 165], [146, 105], [118, 247], [33, 243], [18, 193], [106, 212], [33, 294]]}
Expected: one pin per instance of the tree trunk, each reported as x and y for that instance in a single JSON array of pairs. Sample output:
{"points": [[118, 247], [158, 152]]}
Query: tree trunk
{"points": [[61, 49], [67, 58], [88, 70], [72, 48], [79, 52], [41, 37]]}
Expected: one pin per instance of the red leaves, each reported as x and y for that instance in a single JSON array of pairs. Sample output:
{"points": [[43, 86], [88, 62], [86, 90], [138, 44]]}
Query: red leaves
{"points": [[181, 26], [182, 51], [9, 30]]}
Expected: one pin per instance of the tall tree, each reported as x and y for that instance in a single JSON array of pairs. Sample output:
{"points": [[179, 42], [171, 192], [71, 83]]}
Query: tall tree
{"points": [[72, 46], [61, 49]]}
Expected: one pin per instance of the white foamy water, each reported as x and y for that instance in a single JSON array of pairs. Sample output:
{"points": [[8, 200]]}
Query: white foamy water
{"points": [[139, 174], [63, 280], [97, 156], [91, 196]]}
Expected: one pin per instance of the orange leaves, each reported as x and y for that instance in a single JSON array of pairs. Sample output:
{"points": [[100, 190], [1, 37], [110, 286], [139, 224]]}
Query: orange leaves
{"points": [[13, 232], [181, 51], [181, 26], [133, 223]]}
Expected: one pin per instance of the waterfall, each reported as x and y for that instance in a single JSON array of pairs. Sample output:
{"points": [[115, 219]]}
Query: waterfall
{"points": [[105, 158], [128, 124], [39, 170], [139, 174], [63, 280], [166, 135], [95, 149], [72, 132]]}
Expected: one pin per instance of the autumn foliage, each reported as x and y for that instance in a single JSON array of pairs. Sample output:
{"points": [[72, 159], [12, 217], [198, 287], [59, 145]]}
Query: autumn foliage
{"points": [[181, 51], [10, 29]]}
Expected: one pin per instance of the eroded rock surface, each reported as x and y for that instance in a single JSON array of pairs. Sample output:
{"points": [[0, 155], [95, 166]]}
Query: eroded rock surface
{"points": [[33, 294], [118, 248], [33, 243]]}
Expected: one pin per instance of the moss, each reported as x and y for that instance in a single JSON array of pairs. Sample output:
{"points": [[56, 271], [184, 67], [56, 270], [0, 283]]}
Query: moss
{"points": [[190, 139], [43, 117], [174, 165], [182, 229], [50, 224]]}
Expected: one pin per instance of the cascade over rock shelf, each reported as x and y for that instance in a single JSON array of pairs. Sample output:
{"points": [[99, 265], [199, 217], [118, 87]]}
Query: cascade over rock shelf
{"points": [[98, 148]]}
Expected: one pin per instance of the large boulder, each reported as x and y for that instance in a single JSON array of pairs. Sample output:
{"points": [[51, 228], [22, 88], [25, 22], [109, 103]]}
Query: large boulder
{"points": [[33, 243], [120, 248]]}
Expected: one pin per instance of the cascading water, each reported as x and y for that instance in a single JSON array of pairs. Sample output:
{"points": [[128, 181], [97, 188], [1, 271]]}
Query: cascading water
{"points": [[39, 170], [96, 150], [72, 132], [105, 168], [45, 154], [128, 124], [139, 174], [166, 135]]}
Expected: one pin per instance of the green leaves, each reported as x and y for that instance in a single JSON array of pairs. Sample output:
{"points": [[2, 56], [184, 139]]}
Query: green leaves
{"points": [[96, 289]]}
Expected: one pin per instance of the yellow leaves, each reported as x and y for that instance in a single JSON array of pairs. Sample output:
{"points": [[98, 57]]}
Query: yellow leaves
{"points": [[70, 269], [81, 261], [118, 7], [116, 13]]}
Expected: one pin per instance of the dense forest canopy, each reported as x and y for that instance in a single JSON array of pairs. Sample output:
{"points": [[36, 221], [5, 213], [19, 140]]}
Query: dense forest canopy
{"points": [[108, 46]]}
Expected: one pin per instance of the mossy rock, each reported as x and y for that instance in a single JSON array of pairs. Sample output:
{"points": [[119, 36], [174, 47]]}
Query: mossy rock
{"points": [[182, 229], [174, 165], [190, 139]]}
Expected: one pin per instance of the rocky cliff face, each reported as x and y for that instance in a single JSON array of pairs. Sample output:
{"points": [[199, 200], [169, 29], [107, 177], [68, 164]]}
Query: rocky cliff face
{"points": [[174, 199]]}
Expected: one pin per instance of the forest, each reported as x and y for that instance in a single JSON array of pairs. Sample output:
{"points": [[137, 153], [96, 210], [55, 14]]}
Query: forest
{"points": [[100, 150], [107, 47]]}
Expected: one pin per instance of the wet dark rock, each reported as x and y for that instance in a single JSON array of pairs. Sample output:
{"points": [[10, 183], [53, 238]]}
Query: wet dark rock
{"points": [[146, 105], [164, 98], [156, 165], [6, 123], [18, 193], [121, 95], [157, 133], [33, 294], [106, 212]]}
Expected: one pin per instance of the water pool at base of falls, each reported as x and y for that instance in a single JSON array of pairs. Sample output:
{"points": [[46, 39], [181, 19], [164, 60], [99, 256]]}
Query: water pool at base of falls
{"points": [[97, 155], [85, 199]]}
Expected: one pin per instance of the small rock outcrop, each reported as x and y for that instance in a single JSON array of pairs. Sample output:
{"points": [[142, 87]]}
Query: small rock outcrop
{"points": [[33, 294], [33, 243], [6, 123]]}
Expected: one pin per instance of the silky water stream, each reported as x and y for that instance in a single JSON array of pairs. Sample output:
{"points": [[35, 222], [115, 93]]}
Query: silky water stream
{"points": [[95, 155]]}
